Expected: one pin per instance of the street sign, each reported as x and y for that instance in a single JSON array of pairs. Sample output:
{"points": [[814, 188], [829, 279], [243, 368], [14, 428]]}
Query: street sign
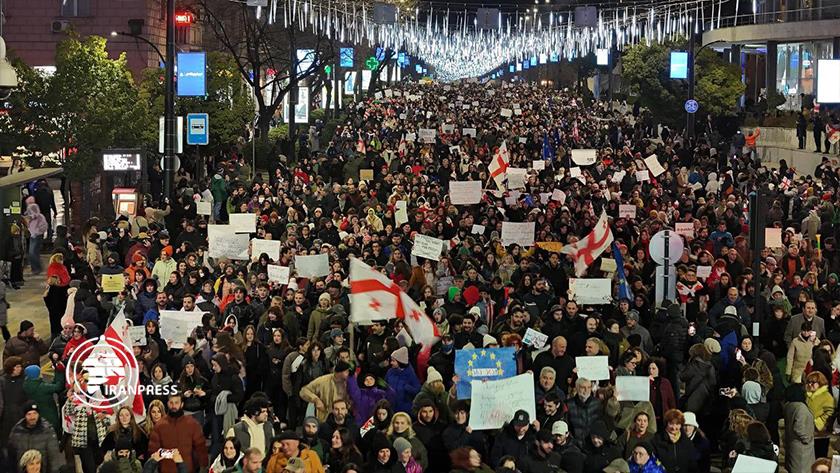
{"points": [[176, 163], [691, 106], [198, 129], [179, 132], [662, 240]]}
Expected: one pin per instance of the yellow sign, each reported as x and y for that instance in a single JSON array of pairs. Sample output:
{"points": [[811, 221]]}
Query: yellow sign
{"points": [[366, 174], [113, 282], [554, 246]]}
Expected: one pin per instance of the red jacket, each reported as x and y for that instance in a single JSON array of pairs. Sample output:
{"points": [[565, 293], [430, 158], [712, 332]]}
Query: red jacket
{"points": [[183, 433], [60, 271]]}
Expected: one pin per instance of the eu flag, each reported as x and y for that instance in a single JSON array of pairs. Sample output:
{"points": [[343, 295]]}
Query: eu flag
{"points": [[547, 150], [483, 364], [623, 288]]}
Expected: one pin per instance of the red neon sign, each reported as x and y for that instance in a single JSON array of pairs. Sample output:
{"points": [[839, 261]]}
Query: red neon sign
{"points": [[184, 19]]}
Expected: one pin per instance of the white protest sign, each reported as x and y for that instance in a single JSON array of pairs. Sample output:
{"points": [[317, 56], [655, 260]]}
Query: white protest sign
{"points": [[773, 238], [559, 196], [401, 215], [270, 247], [516, 177], [591, 291], [427, 247], [411, 137], [523, 140], [627, 211], [448, 128], [575, 172], [652, 163], [618, 177], [642, 176], [464, 192], [584, 157], [243, 223], [203, 208], [389, 93], [312, 266], [137, 335], [609, 265], [468, 132], [229, 245], [538, 164], [278, 274], [632, 388], [478, 229], [704, 272], [748, 464], [685, 229], [176, 325], [493, 403], [506, 113], [593, 368], [377, 95], [427, 135], [521, 234], [534, 338]]}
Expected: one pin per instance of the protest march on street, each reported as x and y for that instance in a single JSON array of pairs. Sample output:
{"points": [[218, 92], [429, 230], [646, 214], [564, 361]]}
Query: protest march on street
{"points": [[467, 277]]}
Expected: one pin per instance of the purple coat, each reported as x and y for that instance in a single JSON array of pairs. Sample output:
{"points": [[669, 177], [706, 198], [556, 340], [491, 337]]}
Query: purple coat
{"points": [[364, 400]]}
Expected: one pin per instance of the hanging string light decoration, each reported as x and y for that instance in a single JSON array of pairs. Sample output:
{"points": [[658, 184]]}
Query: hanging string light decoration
{"points": [[451, 43]]}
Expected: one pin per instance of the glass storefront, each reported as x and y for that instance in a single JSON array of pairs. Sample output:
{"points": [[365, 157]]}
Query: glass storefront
{"points": [[796, 69]]}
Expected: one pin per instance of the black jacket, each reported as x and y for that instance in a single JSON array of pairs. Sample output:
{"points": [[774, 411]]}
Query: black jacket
{"points": [[508, 444], [675, 457], [537, 462]]}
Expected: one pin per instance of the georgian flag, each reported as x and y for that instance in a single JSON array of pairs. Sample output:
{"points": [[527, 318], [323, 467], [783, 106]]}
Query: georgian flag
{"points": [[585, 251], [499, 165]]}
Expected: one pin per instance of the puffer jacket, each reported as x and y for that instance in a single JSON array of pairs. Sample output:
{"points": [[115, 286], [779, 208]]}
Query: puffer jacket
{"points": [[700, 381], [582, 414], [675, 457], [507, 443], [41, 437], [406, 386]]}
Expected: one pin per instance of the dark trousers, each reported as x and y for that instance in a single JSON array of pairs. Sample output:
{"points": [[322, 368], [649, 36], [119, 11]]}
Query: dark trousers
{"points": [[90, 458], [821, 446], [818, 141], [801, 141]]}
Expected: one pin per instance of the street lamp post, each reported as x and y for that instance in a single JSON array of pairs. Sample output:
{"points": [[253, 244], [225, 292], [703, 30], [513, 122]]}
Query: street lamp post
{"points": [[138, 37], [169, 105]]}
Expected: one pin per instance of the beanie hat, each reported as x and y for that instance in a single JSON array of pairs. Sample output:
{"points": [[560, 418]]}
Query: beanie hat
{"points": [[433, 375], [401, 445], [31, 407], [32, 372], [730, 310], [380, 442], [712, 345], [311, 420], [324, 297], [123, 443], [488, 340], [167, 249], [25, 325], [471, 295], [401, 355]]}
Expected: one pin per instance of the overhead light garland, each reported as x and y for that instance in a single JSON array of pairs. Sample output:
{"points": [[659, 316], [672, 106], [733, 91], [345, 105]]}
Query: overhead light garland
{"points": [[455, 47]]}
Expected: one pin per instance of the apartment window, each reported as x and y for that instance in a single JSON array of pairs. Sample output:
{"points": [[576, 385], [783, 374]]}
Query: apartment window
{"points": [[74, 8]]}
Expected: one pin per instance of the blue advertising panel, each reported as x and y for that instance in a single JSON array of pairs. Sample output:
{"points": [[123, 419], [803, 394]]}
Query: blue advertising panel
{"points": [[511, 68], [554, 57], [526, 64], [380, 54], [483, 364], [402, 59], [346, 57], [679, 65], [192, 76]]}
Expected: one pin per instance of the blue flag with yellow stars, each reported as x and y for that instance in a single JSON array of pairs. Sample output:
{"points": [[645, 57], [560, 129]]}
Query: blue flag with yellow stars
{"points": [[483, 364]]}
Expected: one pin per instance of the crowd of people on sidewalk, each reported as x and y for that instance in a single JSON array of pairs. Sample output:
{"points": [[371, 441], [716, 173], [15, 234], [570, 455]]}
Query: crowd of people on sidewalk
{"points": [[278, 377]]}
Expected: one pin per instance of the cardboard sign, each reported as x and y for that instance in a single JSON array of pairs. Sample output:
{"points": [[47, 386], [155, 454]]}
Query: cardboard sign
{"points": [[608, 265], [278, 274], [365, 174], [773, 238], [312, 266], [552, 246], [176, 325], [506, 113], [204, 208], [704, 272], [243, 223], [685, 229], [477, 229], [593, 368], [269, 247], [632, 388], [233, 246], [427, 247], [521, 234], [465, 192], [627, 211], [427, 135], [137, 335], [469, 132], [538, 164], [592, 291], [494, 402]]}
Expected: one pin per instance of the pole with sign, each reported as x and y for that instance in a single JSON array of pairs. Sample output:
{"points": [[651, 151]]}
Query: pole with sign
{"points": [[198, 129]]}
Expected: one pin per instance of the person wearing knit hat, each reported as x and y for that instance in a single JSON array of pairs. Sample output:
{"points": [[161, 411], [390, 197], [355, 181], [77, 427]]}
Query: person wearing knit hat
{"points": [[433, 375], [712, 345], [401, 445], [403, 380], [27, 345], [32, 372], [489, 341]]}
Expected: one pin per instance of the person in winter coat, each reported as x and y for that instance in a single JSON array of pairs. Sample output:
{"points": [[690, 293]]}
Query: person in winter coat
{"points": [[326, 389], [382, 456], [702, 445], [12, 395], [434, 391], [459, 434], [672, 447], [799, 430], [406, 462], [123, 458], [225, 378], [515, 438], [366, 395], [27, 345], [643, 460], [403, 380], [42, 393], [799, 352], [37, 225], [34, 433], [229, 458], [177, 431], [290, 447], [146, 300], [821, 404], [401, 428], [541, 458], [598, 448], [636, 433], [55, 298], [57, 268], [318, 314], [584, 409], [700, 379]]}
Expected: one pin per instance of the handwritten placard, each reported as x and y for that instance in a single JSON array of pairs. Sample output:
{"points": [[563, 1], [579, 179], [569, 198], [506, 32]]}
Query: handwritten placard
{"points": [[591, 291], [113, 283], [269, 247], [506, 112], [465, 192], [278, 274], [401, 214], [627, 211], [203, 208], [608, 265], [652, 163], [593, 368], [176, 325], [773, 238], [538, 164], [243, 223], [427, 135], [229, 245], [632, 388], [494, 402], [521, 234], [427, 247], [704, 272], [685, 229], [469, 132], [584, 157], [312, 266], [137, 335], [748, 464], [366, 174], [642, 176], [477, 229]]}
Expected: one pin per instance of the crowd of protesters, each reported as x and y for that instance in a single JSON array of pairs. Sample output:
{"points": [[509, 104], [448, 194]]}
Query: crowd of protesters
{"points": [[277, 379]]}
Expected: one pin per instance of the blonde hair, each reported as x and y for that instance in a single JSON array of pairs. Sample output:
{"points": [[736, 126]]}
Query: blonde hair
{"points": [[57, 258], [29, 457], [407, 419], [739, 419], [148, 423]]}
